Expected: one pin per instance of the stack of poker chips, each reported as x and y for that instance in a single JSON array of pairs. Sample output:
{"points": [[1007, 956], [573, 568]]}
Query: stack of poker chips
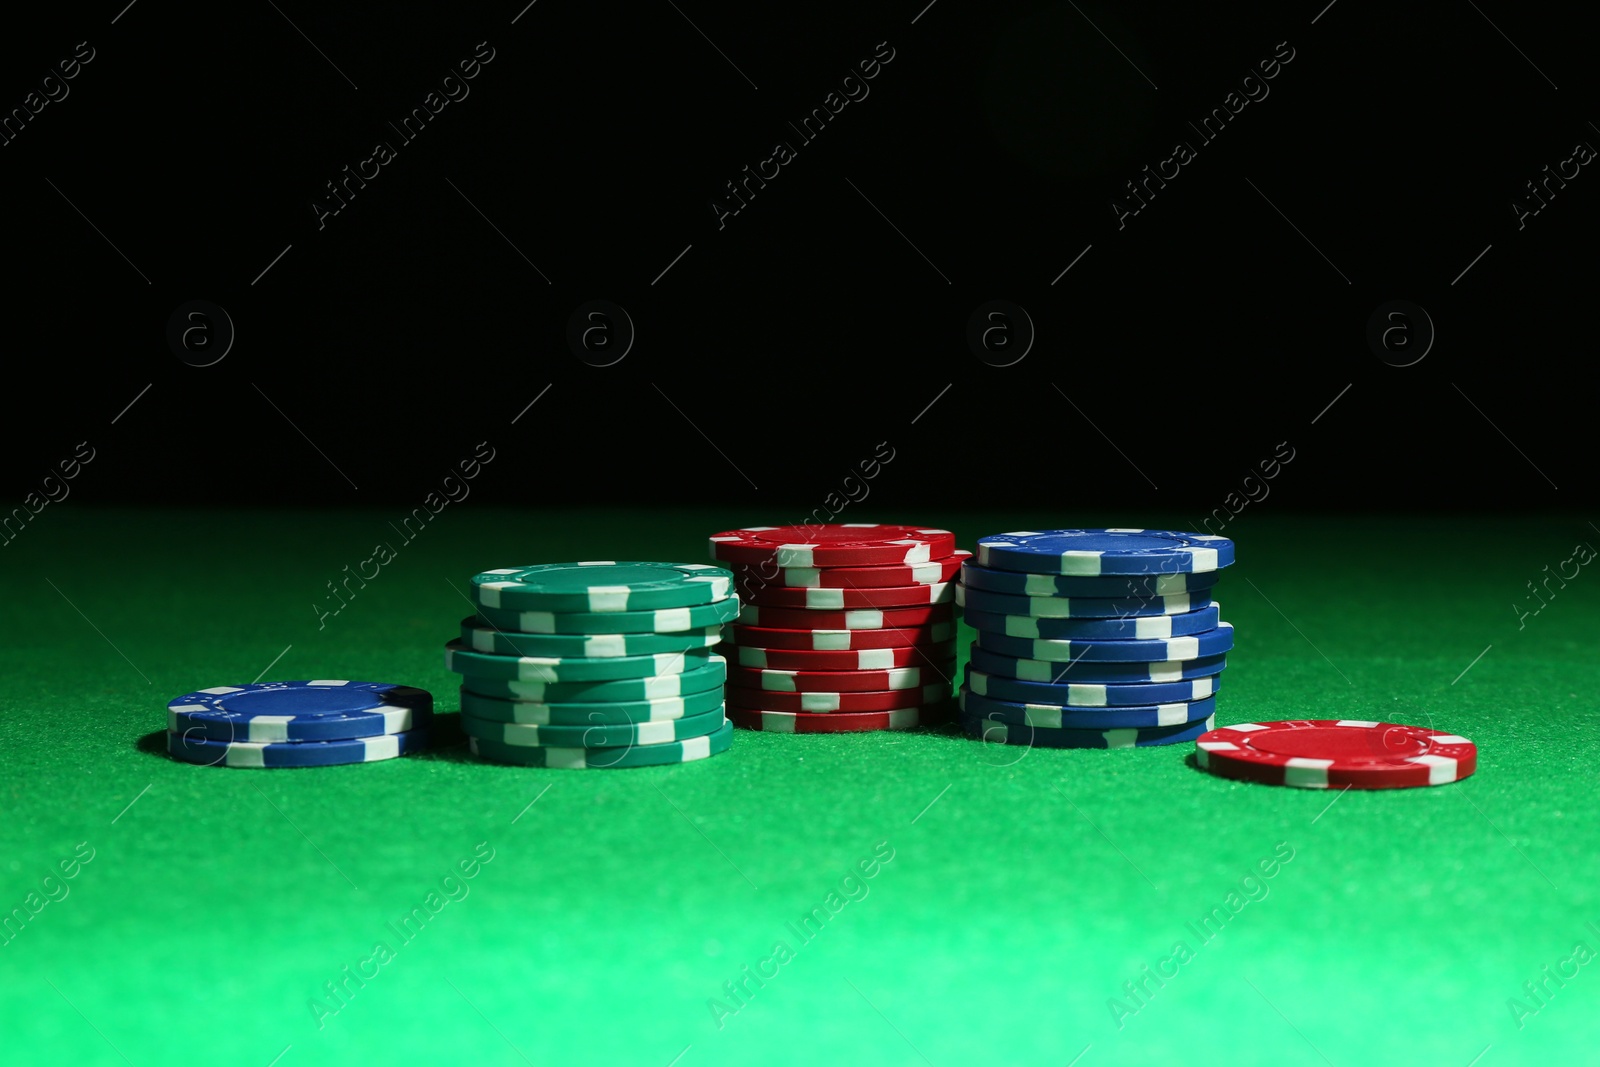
{"points": [[320, 723], [1093, 638], [845, 628], [595, 665]]}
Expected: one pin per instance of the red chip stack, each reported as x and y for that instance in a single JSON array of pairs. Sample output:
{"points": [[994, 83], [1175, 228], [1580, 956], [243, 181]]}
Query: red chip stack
{"points": [[845, 627]]}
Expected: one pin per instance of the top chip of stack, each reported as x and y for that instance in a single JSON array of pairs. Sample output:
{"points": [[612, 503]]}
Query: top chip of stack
{"points": [[846, 627], [1093, 638], [595, 664]]}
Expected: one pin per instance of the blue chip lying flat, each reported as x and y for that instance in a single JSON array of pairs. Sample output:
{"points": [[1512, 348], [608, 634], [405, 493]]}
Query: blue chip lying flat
{"points": [[1038, 737], [1088, 553], [1092, 671], [192, 749], [1210, 643], [1096, 587], [1080, 607], [319, 710], [1060, 717], [1149, 627], [1088, 694]]}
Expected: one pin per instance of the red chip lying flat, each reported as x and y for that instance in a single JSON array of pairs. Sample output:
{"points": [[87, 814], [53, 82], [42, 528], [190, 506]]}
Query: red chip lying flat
{"points": [[833, 545], [838, 722], [1336, 753]]}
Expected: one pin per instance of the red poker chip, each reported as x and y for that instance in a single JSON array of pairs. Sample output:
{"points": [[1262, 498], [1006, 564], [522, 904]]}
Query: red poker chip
{"points": [[779, 681], [864, 659], [846, 619], [751, 578], [1336, 753], [833, 545], [839, 722], [834, 703], [839, 640], [815, 599]]}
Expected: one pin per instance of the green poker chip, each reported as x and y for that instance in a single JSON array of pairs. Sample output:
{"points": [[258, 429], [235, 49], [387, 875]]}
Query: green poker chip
{"points": [[705, 675], [694, 748], [663, 709], [602, 586], [483, 638], [595, 735], [659, 621], [463, 660]]}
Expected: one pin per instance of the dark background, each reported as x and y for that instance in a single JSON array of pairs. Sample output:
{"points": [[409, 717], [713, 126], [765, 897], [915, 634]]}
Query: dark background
{"points": [[826, 317]]}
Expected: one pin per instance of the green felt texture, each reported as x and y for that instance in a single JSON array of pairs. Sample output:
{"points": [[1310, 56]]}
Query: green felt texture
{"points": [[1025, 887]]}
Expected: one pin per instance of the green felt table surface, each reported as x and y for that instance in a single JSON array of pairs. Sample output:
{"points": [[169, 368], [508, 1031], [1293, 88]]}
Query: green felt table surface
{"points": [[1023, 891]]}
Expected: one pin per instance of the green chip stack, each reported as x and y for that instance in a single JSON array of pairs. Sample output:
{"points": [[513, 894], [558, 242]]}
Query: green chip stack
{"points": [[595, 665]]}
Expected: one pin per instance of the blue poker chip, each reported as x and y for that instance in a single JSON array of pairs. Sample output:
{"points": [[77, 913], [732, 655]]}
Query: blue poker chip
{"points": [[992, 732], [1089, 694], [1059, 717], [1147, 627], [192, 749], [1088, 553], [319, 710], [1171, 649], [1054, 607], [1101, 587], [1091, 671]]}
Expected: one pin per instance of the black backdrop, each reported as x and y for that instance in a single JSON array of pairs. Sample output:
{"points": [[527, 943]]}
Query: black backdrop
{"points": [[1175, 348]]}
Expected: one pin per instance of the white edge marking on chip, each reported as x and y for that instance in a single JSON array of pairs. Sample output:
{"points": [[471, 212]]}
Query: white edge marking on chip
{"points": [[1306, 773], [1125, 738], [608, 598], [1448, 739], [1171, 714], [1022, 626], [671, 620], [1441, 769], [222, 690], [1156, 627], [825, 599], [242, 754], [696, 747], [514, 570], [1081, 563], [795, 555], [819, 701], [752, 657], [1218, 746], [830, 640], [875, 659], [267, 729], [777, 724], [1202, 559], [900, 717], [1360, 724]]}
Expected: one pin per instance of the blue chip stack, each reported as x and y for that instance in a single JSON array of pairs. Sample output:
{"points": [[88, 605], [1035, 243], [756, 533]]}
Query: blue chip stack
{"points": [[319, 723], [1093, 638]]}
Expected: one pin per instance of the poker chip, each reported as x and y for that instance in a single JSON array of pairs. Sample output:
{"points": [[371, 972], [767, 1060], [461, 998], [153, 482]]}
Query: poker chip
{"points": [[1336, 753], [844, 722], [463, 660], [839, 681], [1086, 695], [602, 586], [1100, 587], [751, 579], [831, 703], [481, 637], [594, 735], [319, 710], [1059, 717], [1037, 737], [1100, 552], [1096, 672], [820, 599], [659, 621], [838, 640], [1147, 627], [1209, 643], [594, 713], [707, 675], [832, 545], [202, 750], [606, 758], [849, 619], [1044, 607], [595, 665], [865, 659]]}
